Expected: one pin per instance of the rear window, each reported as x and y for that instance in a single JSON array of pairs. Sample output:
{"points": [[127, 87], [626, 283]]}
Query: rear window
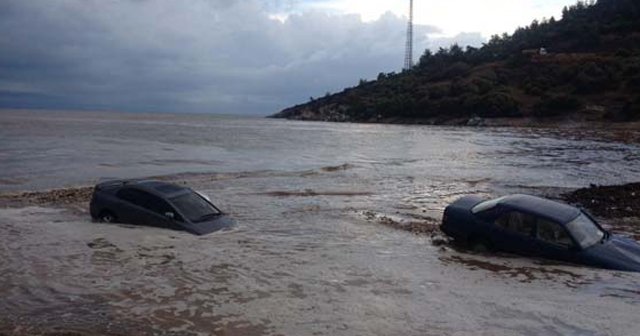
{"points": [[194, 207]]}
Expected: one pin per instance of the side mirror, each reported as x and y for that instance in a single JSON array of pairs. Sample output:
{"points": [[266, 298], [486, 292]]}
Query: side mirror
{"points": [[170, 215]]}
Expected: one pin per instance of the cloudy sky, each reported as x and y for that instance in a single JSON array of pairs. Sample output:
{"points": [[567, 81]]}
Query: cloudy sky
{"points": [[223, 56]]}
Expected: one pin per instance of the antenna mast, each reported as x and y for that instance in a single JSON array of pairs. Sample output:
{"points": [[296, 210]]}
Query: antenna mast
{"points": [[408, 56]]}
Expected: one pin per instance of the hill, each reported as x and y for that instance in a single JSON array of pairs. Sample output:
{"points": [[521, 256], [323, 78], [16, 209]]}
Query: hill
{"points": [[584, 67]]}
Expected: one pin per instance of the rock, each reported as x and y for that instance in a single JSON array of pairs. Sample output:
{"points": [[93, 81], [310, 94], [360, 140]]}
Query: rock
{"points": [[616, 201], [439, 241], [475, 121]]}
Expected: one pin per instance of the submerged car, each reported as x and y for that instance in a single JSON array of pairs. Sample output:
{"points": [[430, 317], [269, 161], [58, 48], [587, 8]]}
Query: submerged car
{"points": [[538, 227], [156, 203]]}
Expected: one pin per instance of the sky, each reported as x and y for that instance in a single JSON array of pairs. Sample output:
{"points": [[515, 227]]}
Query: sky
{"points": [[249, 57]]}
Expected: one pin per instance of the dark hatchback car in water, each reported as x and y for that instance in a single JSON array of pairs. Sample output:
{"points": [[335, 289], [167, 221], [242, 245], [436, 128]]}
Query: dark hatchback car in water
{"points": [[538, 227], [156, 203]]}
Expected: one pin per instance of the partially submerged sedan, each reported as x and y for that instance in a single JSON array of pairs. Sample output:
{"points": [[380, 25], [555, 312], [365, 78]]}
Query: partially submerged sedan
{"points": [[156, 203], [539, 227]]}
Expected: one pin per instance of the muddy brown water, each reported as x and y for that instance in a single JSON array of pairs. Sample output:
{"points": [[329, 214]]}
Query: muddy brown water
{"points": [[316, 251]]}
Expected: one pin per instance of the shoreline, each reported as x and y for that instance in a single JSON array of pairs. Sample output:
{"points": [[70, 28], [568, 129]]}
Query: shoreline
{"points": [[569, 122], [626, 132], [616, 206]]}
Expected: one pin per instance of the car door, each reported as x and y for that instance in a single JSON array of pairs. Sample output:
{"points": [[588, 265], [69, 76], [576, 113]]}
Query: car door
{"points": [[142, 208], [513, 232], [160, 209], [131, 207], [553, 241]]}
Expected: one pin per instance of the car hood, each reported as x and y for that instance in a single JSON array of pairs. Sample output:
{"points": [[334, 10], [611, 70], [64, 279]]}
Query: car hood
{"points": [[222, 222], [618, 253]]}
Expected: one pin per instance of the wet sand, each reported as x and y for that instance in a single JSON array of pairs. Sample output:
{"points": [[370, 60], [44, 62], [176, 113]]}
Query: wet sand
{"points": [[112, 254], [361, 274]]}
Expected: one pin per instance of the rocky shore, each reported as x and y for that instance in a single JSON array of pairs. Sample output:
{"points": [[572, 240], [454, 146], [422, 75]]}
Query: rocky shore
{"points": [[609, 201], [568, 121]]}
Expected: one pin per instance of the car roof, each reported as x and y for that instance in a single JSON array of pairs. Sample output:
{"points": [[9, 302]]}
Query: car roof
{"points": [[159, 188], [556, 211], [162, 188]]}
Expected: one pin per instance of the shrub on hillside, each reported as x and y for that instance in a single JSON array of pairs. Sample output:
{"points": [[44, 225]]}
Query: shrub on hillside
{"points": [[439, 91], [624, 52], [402, 105], [450, 107], [593, 78], [556, 105], [492, 105], [483, 85], [457, 69], [459, 88], [634, 82], [631, 111]]}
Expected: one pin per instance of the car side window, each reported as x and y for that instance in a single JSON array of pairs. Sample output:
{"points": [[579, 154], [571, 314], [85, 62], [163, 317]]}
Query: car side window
{"points": [[517, 222], [157, 205], [161, 207], [147, 201], [489, 214], [132, 196], [553, 233]]}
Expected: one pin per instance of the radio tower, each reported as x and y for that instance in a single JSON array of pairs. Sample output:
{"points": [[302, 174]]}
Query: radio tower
{"points": [[408, 56]]}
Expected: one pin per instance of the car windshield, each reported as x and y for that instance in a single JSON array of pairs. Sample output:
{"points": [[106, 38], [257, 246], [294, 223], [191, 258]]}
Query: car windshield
{"points": [[486, 205], [194, 207], [585, 231]]}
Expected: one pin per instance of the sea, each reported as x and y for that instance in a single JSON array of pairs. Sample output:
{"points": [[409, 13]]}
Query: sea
{"points": [[312, 252]]}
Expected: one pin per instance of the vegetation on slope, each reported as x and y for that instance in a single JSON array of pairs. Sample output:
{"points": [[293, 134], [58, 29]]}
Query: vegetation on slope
{"points": [[591, 72]]}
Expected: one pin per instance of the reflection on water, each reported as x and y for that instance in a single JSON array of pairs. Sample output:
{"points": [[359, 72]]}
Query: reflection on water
{"points": [[309, 255], [44, 150]]}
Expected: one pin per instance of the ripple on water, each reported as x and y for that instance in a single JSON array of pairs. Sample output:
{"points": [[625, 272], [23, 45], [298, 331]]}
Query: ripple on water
{"points": [[321, 246]]}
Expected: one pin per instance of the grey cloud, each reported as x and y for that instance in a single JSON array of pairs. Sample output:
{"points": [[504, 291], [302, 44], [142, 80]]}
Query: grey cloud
{"points": [[219, 56]]}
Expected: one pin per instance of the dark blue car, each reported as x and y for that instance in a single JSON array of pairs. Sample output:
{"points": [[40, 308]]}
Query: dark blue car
{"points": [[156, 203], [538, 227]]}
